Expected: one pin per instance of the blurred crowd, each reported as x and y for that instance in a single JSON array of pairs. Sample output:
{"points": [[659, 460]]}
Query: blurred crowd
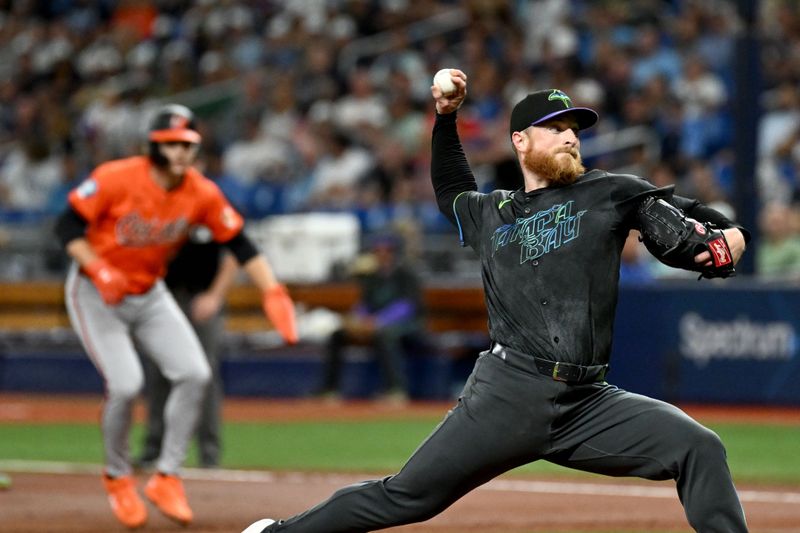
{"points": [[325, 104]]}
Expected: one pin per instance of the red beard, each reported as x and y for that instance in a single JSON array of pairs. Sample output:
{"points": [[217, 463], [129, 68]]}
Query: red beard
{"points": [[558, 170]]}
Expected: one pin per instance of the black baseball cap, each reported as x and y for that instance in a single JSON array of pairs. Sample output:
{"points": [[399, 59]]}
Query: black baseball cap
{"points": [[545, 105]]}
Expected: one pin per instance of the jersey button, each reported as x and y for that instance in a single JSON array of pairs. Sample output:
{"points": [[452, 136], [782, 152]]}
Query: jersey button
{"points": [[544, 301], [535, 262], [527, 209]]}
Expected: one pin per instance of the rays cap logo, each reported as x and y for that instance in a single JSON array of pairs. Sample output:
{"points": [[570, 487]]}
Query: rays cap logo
{"points": [[548, 104], [559, 95]]}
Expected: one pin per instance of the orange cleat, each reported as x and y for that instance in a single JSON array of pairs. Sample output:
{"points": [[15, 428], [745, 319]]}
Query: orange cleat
{"points": [[166, 493], [128, 507]]}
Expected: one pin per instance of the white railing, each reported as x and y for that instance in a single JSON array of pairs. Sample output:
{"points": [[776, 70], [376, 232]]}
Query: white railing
{"points": [[615, 141], [379, 43]]}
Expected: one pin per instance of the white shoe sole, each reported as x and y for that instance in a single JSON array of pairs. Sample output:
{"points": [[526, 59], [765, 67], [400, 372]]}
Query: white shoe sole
{"points": [[258, 527]]}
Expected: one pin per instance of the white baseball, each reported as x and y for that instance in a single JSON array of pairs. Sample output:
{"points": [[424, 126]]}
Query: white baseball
{"points": [[443, 80]]}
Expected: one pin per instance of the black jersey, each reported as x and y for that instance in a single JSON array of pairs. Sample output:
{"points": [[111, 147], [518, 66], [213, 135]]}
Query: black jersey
{"points": [[195, 266], [550, 257]]}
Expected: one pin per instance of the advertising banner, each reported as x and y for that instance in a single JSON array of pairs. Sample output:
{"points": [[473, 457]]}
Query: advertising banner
{"points": [[709, 342]]}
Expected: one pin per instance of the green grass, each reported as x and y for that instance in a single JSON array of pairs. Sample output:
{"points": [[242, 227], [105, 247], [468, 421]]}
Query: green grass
{"points": [[366, 446], [756, 453], [764, 454]]}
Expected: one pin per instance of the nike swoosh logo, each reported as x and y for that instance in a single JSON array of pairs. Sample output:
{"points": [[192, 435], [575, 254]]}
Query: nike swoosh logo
{"points": [[504, 202]]}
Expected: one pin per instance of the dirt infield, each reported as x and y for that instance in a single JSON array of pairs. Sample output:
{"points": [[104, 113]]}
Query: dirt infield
{"points": [[227, 500]]}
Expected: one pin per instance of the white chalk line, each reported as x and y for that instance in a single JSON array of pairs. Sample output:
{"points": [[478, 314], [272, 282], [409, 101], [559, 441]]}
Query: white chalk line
{"points": [[606, 489], [496, 485]]}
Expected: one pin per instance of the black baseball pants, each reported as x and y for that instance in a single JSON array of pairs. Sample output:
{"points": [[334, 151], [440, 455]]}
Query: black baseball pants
{"points": [[508, 416]]}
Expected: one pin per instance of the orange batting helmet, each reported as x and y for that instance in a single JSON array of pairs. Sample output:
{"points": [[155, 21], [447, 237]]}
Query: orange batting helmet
{"points": [[174, 123]]}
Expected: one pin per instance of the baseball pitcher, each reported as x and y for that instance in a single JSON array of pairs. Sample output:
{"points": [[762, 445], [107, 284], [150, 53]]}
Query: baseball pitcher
{"points": [[550, 259]]}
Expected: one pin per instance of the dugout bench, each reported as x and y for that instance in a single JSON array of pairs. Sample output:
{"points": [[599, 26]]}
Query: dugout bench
{"points": [[39, 305], [32, 315]]}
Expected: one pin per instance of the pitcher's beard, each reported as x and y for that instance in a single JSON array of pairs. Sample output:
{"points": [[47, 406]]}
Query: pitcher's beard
{"points": [[558, 170]]}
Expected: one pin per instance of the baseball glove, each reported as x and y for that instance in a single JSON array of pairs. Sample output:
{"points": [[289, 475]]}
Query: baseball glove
{"points": [[675, 239]]}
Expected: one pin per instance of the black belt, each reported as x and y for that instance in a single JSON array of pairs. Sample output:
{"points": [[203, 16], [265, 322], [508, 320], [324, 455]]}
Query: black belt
{"points": [[559, 371]]}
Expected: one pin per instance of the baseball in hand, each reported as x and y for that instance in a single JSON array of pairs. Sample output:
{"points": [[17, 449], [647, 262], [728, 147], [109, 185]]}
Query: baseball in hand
{"points": [[443, 80]]}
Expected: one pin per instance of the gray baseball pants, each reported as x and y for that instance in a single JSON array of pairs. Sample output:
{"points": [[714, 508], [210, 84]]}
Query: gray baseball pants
{"points": [[509, 415], [157, 389], [163, 332]]}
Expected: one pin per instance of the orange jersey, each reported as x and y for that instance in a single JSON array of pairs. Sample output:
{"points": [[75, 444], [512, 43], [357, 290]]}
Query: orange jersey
{"points": [[137, 225]]}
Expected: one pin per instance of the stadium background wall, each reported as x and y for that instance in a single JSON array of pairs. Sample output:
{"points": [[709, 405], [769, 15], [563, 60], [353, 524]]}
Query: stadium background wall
{"points": [[685, 341]]}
